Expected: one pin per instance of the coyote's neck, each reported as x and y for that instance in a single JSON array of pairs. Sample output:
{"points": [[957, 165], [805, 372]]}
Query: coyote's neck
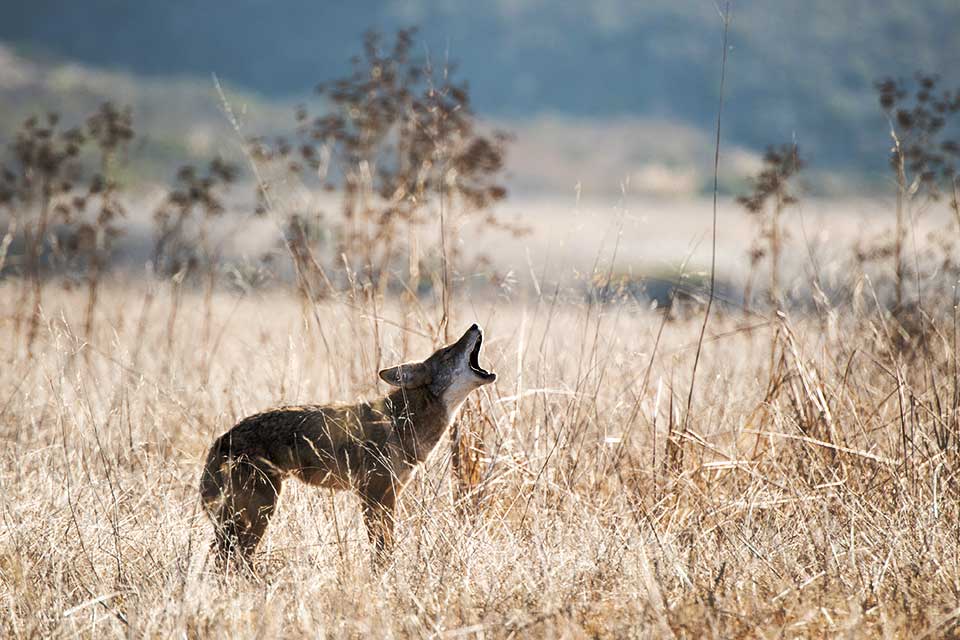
{"points": [[454, 410], [421, 419]]}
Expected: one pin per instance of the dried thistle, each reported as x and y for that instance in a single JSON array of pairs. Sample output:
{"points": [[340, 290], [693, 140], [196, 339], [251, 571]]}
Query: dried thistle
{"points": [[770, 196], [35, 188], [181, 220], [923, 157], [396, 138]]}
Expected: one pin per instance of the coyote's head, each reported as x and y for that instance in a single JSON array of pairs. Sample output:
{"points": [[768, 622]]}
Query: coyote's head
{"points": [[451, 373]]}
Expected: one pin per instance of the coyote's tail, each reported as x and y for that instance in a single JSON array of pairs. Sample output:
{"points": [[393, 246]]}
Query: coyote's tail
{"points": [[211, 480]]}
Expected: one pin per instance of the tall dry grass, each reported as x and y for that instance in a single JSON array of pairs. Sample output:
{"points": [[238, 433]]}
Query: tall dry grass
{"points": [[813, 491]]}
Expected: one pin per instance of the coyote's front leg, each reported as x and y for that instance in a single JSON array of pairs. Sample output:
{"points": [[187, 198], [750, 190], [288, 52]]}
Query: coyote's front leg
{"points": [[379, 501]]}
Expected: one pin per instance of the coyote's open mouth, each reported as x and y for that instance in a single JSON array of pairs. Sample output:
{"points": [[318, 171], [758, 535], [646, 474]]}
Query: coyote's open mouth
{"points": [[475, 361]]}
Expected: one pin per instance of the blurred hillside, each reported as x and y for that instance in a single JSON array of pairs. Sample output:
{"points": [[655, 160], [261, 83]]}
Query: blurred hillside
{"points": [[177, 119], [802, 68], [181, 119], [598, 94]]}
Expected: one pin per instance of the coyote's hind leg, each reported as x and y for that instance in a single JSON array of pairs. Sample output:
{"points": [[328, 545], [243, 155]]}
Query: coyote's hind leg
{"points": [[245, 512]]}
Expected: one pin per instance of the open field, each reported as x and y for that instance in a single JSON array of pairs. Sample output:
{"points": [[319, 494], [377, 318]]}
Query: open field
{"points": [[809, 489], [713, 417]]}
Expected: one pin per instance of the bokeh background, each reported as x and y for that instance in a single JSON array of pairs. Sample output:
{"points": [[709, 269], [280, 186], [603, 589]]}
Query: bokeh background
{"points": [[612, 106], [595, 91]]}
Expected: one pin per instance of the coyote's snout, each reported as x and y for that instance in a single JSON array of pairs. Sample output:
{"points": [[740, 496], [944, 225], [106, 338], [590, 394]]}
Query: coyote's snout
{"points": [[372, 447]]}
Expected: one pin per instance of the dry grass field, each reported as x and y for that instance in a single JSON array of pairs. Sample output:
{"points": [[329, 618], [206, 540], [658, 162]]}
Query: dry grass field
{"points": [[773, 455], [809, 489]]}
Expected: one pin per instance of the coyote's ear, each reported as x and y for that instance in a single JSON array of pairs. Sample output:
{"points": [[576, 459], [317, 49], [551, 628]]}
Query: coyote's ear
{"points": [[410, 375]]}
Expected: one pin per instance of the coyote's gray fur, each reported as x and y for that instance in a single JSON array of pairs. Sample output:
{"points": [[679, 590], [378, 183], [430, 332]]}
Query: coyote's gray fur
{"points": [[372, 447]]}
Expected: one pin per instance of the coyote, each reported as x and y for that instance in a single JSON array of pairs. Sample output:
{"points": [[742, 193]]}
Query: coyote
{"points": [[372, 448]]}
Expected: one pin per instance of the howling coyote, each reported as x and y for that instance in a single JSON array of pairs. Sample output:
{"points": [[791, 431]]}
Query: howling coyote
{"points": [[372, 447]]}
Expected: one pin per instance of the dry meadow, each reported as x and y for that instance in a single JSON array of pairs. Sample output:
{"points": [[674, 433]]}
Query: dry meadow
{"points": [[806, 488]]}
